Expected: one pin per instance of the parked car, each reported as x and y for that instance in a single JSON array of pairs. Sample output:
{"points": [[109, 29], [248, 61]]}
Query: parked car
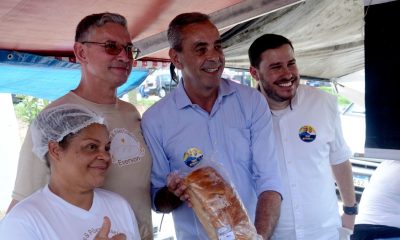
{"points": [[242, 77], [363, 168], [318, 83], [158, 83]]}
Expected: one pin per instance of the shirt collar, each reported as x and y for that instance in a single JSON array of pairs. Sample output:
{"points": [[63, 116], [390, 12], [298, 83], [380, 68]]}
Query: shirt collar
{"points": [[296, 98], [182, 100]]}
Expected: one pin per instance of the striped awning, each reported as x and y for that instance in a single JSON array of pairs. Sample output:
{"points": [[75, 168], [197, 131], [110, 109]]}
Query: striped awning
{"points": [[51, 77]]}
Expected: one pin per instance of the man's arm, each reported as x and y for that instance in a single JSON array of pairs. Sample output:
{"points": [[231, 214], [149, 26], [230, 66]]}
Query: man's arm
{"points": [[165, 201], [172, 196], [267, 213], [344, 180]]}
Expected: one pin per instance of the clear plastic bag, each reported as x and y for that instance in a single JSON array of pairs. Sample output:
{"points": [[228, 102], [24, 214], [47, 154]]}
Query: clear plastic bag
{"points": [[217, 205]]}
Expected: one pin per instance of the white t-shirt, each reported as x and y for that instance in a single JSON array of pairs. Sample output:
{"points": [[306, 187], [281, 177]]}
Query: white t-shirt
{"points": [[129, 173], [380, 201], [45, 215], [309, 140]]}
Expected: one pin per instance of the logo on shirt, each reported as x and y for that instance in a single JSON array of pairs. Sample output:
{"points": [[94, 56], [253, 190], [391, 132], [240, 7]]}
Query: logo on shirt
{"points": [[125, 148], [307, 133], [92, 231], [192, 156]]}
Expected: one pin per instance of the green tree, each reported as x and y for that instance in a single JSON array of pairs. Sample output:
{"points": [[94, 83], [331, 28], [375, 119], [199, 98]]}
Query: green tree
{"points": [[29, 107]]}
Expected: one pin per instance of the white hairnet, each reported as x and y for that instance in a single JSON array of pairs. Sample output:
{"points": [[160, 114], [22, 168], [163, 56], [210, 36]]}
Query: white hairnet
{"points": [[53, 124]]}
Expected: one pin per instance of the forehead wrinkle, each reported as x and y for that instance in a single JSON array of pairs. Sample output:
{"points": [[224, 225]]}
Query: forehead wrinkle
{"points": [[200, 44], [107, 33]]}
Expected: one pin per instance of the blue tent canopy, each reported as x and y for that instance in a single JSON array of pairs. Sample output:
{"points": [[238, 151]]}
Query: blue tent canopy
{"points": [[47, 77]]}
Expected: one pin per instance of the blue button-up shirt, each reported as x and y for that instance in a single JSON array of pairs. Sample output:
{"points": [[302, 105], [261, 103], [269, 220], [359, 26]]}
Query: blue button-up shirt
{"points": [[237, 134]]}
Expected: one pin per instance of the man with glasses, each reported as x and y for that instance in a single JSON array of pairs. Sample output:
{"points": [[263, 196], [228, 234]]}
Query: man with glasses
{"points": [[104, 49], [114, 48]]}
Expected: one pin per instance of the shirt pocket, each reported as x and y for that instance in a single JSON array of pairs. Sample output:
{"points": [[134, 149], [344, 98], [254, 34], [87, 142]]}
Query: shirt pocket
{"points": [[239, 147]]}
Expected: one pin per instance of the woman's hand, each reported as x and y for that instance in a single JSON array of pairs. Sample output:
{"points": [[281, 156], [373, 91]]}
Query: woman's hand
{"points": [[105, 230]]}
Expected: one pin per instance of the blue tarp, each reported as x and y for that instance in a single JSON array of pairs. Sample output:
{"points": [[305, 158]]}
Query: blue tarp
{"points": [[47, 77]]}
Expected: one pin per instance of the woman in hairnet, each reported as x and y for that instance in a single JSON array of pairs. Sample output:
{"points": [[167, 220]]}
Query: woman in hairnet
{"points": [[74, 141]]}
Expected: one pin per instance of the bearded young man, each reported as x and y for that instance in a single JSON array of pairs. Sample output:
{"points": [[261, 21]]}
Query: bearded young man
{"points": [[310, 146]]}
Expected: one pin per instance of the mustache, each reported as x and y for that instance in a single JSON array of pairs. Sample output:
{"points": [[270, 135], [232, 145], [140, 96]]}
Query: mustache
{"points": [[120, 65], [212, 64], [285, 80]]}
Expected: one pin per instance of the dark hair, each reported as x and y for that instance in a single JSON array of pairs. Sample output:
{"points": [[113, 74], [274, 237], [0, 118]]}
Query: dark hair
{"points": [[64, 144], [97, 20], [264, 43], [178, 23]]}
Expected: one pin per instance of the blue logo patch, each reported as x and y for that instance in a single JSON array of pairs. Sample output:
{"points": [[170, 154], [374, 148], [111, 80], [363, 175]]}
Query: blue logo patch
{"points": [[307, 133], [192, 157]]}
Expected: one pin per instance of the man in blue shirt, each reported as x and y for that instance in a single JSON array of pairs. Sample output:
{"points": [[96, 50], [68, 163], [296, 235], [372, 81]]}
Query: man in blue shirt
{"points": [[207, 117]]}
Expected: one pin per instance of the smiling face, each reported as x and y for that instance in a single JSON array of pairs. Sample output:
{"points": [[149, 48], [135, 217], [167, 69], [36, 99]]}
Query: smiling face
{"points": [[278, 75], [106, 69], [201, 59], [82, 160]]}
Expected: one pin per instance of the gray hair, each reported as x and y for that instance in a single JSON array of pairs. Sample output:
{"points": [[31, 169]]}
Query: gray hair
{"points": [[178, 23], [97, 20]]}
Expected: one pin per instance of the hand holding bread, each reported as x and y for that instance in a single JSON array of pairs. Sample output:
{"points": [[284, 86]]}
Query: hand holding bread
{"points": [[218, 206], [176, 185]]}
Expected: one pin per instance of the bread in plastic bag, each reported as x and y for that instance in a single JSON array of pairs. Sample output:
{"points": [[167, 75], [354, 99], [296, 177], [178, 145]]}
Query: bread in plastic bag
{"points": [[218, 206]]}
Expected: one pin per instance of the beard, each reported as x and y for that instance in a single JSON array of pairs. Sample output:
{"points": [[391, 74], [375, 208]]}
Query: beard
{"points": [[272, 92]]}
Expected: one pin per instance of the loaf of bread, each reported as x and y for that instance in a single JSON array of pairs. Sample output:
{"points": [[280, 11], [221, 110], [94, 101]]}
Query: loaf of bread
{"points": [[217, 206]]}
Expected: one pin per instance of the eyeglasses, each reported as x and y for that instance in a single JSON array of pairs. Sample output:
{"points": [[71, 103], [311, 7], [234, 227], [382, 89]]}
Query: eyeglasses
{"points": [[114, 48]]}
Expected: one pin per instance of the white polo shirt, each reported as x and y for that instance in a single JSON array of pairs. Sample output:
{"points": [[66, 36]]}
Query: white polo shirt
{"points": [[309, 140]]}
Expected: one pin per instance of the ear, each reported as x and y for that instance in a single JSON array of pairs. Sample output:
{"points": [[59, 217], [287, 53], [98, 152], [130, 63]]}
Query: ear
{"points": [[80, 52], [254, 73], [54, 151], [173, 55]]}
